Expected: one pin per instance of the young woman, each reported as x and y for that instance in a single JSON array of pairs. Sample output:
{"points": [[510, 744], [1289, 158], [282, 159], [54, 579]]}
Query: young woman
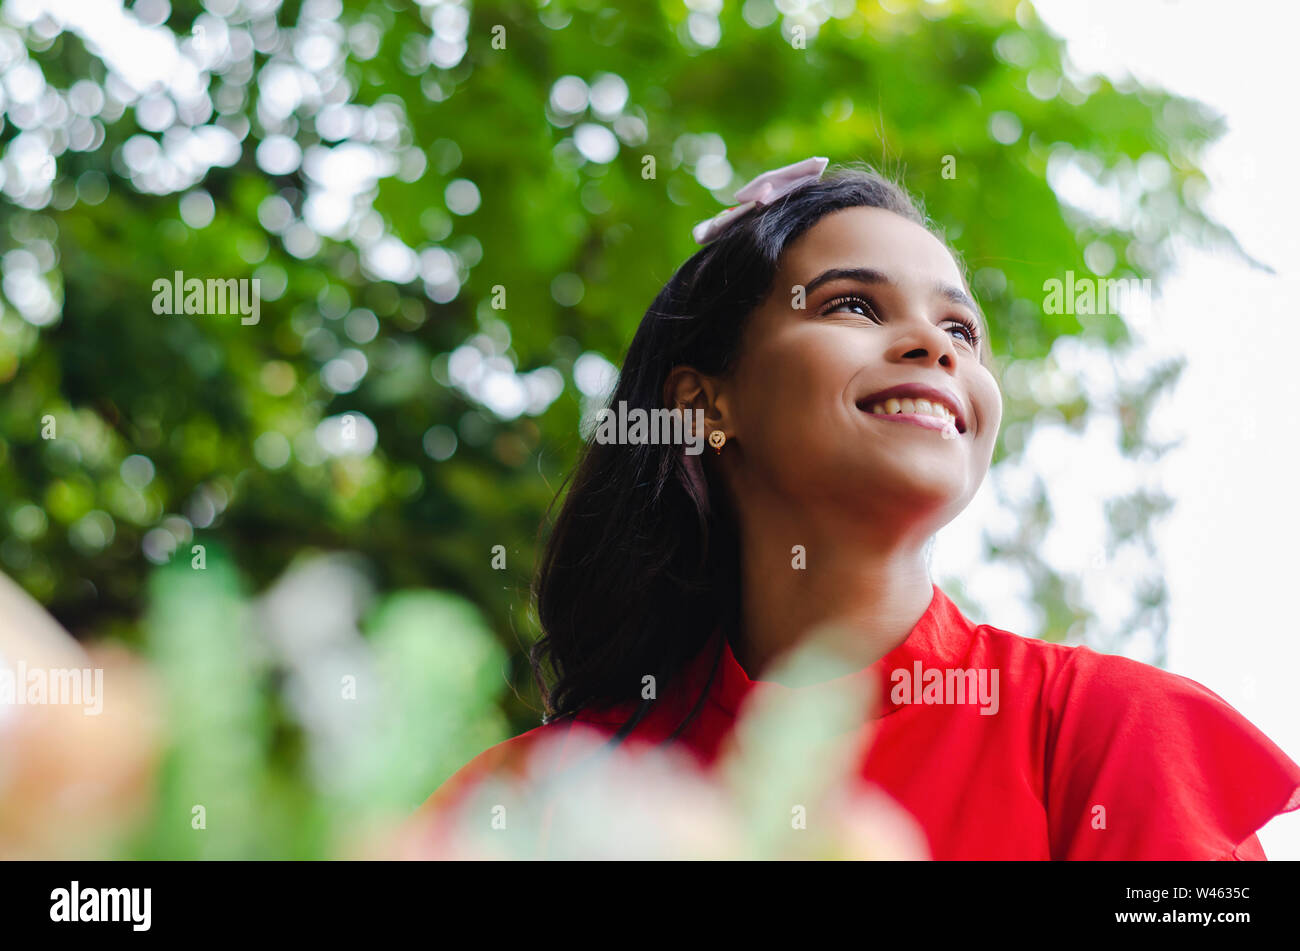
{"points": [[840, 368]]}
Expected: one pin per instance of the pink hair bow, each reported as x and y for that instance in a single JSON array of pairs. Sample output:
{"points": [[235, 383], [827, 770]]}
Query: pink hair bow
{"points": [[761, 190]]}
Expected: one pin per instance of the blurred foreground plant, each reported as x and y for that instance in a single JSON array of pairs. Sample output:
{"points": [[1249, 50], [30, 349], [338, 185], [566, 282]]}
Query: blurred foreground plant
{"points": [[264, 728], [299, 724], [75, 778]]}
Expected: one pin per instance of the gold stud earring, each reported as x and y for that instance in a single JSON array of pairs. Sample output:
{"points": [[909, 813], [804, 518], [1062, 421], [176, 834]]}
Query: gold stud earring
{"points": [[717, 439]]}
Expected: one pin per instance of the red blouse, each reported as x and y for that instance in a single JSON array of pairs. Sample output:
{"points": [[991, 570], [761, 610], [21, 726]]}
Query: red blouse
{"points": [[1074, 755]]}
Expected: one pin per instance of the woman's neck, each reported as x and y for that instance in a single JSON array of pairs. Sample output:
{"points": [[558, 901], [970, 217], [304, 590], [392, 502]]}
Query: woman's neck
{"points": [[877, 587]]}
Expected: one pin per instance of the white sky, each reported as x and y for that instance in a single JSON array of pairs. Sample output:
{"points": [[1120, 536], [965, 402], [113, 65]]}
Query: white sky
{"points": [[1227, 543]]}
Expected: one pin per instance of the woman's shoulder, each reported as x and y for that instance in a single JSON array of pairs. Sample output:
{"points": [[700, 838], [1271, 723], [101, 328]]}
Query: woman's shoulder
{"points": [[511, 759], [503, 778], [1105, 688], [1108, 697], [504, 760], [1141, 762], [1077, 673]]}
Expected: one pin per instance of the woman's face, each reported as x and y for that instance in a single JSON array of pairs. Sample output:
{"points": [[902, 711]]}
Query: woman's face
{"points": [[798, 403]]}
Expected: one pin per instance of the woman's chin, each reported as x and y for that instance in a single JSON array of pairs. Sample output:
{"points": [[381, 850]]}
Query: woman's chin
{"points": [[916, 487]]}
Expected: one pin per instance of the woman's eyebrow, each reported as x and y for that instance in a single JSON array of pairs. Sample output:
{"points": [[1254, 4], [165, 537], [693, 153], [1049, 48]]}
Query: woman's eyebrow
{"points": [[864, 275], [867, 275], [957, 296]]}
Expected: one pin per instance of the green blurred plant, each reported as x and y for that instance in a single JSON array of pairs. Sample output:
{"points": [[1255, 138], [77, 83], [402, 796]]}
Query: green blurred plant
{"points": [[291, 733]]}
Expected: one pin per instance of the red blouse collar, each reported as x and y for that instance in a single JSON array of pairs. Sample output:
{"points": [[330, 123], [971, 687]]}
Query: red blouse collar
{"points": [[941, 638]]}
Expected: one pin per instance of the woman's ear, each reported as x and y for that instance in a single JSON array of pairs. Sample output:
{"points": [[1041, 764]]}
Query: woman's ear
{"points": [[687, 389]]}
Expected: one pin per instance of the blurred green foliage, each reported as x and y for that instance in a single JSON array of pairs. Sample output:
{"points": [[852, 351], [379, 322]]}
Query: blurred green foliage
{"points": [[300, 718], [390, 172]]}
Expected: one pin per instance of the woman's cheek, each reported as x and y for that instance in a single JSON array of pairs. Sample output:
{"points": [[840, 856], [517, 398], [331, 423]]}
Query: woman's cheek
{"points": [[991, 417]]}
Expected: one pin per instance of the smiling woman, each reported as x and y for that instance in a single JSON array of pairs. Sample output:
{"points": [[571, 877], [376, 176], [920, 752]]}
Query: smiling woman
{"points": [[828, 341]]}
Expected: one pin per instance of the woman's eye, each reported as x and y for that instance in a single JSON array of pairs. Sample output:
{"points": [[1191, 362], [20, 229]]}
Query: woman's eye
{"points": [[851, 300], [967, 331]]}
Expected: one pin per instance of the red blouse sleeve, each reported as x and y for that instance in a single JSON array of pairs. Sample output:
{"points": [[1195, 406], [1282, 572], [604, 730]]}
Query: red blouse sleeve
{"points": [[1144, 764]]}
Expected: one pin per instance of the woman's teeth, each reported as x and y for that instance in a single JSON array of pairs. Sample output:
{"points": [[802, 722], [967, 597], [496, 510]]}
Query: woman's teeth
{"points": [[922, 407]]}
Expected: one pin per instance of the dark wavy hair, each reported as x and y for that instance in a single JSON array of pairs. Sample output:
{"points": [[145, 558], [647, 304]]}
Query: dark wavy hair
{"points": [[642, 565]]}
